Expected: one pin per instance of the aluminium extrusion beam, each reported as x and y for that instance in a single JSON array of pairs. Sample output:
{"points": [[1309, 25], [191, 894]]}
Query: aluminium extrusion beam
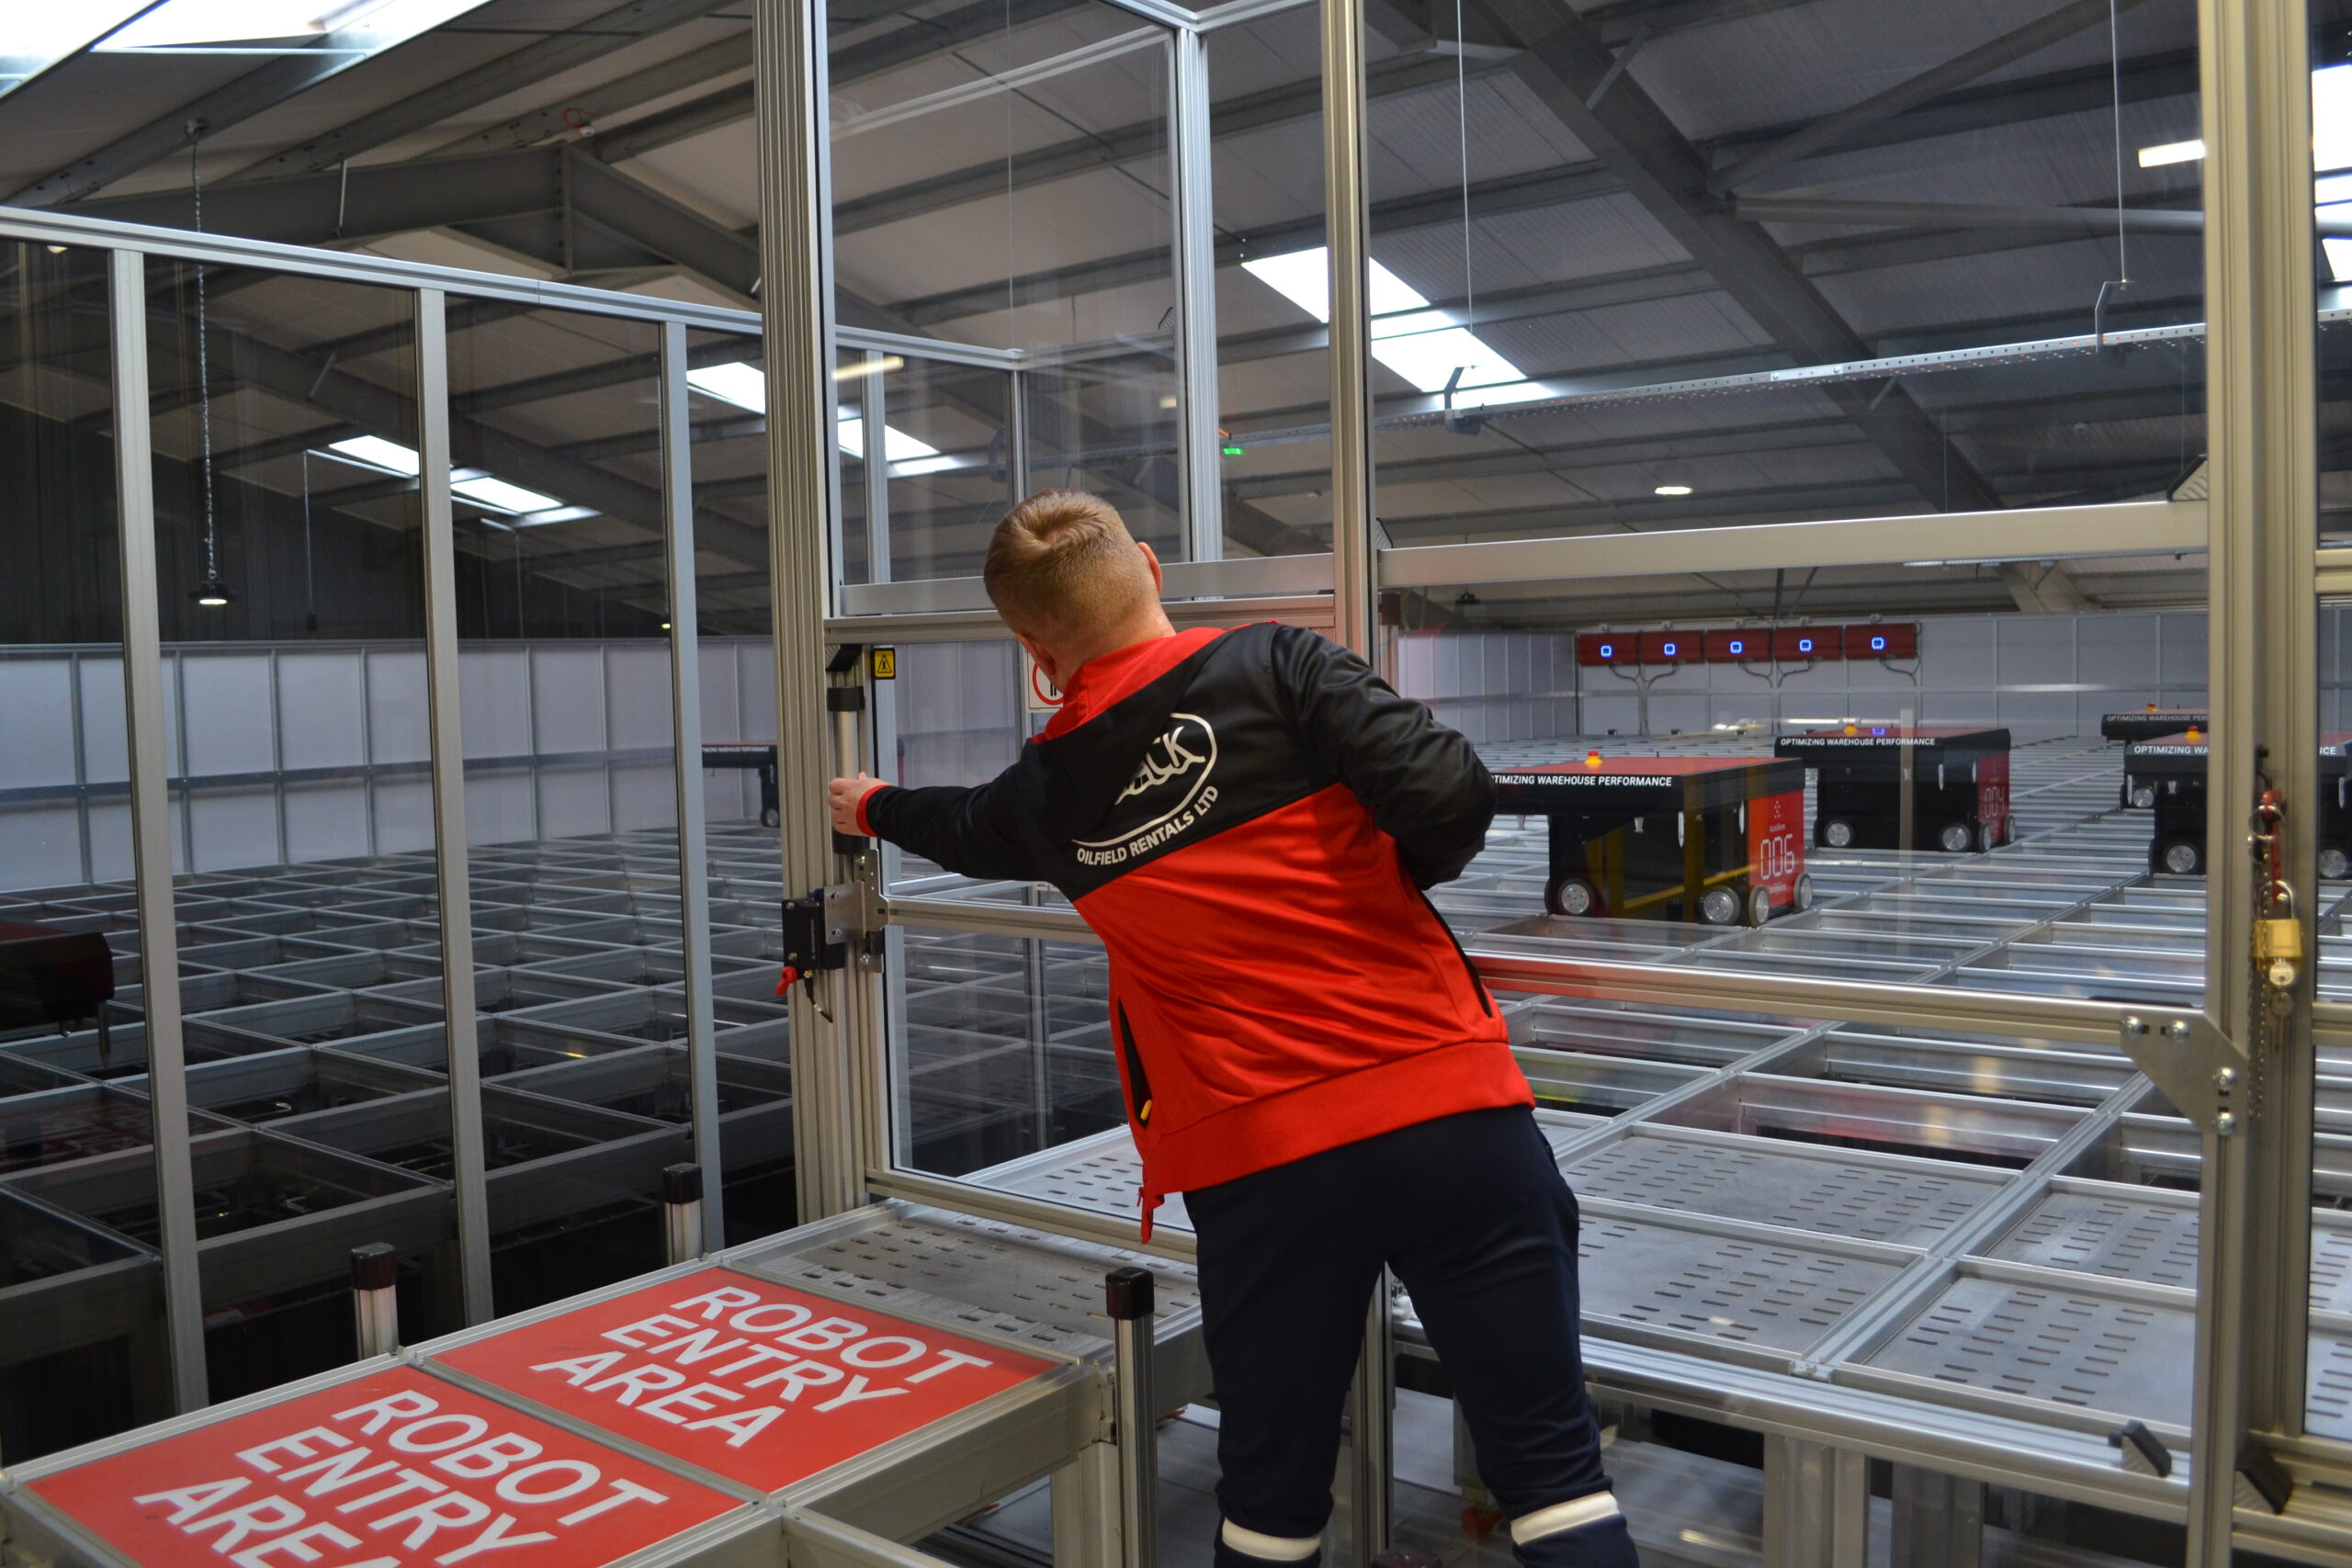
{"points": [[1202, 494], [2251, 1316], [1355, 606], [151, 834], [685, 730], [796, 296], [446, 731]]}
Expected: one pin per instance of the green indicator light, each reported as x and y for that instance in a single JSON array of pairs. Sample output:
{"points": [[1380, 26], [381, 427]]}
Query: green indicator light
{"points": [[1234, 451]]}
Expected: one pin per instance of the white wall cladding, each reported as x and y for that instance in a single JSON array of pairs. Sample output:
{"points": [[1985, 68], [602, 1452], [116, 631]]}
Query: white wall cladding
{"points": [[2040, 675], [313, 751]]}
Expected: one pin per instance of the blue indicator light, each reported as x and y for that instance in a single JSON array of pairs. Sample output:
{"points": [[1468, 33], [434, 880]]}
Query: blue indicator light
{"points": [[1804, 645], [1607, 650], [1669, 651], [1878, 645], [1737, 646]]}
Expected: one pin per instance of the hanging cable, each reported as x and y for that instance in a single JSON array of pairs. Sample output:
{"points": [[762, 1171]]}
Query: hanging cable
{"points": [[211, 592], [2122, 278], [1461, 130]]}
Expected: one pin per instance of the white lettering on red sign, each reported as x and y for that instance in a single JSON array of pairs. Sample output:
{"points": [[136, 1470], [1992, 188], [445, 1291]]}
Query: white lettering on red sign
{"points": [[753, 1380], [394, 1471]]}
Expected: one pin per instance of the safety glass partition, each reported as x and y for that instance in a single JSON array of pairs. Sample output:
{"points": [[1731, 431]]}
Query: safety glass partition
{"points": [[937, 436], [292, 600], [1945, 812], [1016, 202], [1273, 380], [736, 668], [2322, 1114], [585, 1003], [81, 1334]]}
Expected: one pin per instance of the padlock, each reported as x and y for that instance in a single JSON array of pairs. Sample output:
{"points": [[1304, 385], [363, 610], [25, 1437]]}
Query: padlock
{"points": [[2278, 938]]}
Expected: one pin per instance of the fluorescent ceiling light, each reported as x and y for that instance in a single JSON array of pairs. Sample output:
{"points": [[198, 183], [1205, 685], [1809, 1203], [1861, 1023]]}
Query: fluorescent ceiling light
{"points": [[554, 514], [736, 382], [746, 386], [2332, 118], [487, 489], [1672, 490], [1425, 346], [484, 489], [374, 452], [362, 27], [898, 447], [2171, 153]]}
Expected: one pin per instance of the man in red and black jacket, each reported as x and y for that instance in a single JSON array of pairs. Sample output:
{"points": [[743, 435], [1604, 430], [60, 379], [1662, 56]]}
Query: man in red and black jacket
{"points": [[1248, 819]]}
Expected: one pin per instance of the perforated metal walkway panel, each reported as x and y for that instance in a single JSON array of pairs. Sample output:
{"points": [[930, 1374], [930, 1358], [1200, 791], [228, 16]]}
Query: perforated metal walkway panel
{"points": [[2119, 1351], [981, 1275], [1763, 1295], [1908, 1202]]}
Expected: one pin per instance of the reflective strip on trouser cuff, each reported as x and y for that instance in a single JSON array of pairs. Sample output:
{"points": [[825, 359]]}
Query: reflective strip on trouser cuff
{"points": [[1585, 1510], [1271, 1547]]}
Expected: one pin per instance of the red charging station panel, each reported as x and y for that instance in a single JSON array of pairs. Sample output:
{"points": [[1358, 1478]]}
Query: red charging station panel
{"points": [[1669, 648], [1793, 645], [755, 1381], [398, 1469], [1883, 639], [1608, 648], [1737, 645]]}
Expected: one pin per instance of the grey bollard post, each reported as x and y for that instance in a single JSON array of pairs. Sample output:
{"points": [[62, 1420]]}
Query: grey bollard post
{"points": [[375, 1301], [1127, 1298], [682, 1212]]}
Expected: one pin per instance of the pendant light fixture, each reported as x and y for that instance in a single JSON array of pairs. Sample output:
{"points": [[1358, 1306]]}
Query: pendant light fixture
{"points": [[213, 593]]}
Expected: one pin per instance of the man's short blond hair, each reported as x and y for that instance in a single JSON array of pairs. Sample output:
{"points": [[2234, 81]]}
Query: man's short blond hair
{"points": [[1062, 568]]}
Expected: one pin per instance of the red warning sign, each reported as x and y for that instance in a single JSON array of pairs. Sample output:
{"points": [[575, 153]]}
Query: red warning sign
{"points": [[749, 1380], [395, 1471]]}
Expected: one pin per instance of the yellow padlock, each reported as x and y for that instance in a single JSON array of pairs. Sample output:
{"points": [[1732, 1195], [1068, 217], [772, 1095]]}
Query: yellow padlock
{"points": [[2279, 941]]}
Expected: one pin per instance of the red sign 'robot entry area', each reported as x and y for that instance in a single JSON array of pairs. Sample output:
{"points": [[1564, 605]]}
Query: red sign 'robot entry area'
{"points": [[395, 1471], [749, 1380]]}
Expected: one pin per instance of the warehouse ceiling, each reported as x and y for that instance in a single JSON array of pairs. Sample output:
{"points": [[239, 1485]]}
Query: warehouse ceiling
{"points": [[1603, 224]]}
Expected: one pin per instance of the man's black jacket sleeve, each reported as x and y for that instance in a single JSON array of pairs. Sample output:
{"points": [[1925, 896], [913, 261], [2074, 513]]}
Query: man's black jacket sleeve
{"points": [[1422, 782], [973, 832]]}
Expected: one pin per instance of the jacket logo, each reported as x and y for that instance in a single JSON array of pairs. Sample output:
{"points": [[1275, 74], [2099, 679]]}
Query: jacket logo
{"points": [[1178, 764], [1169, 758]]}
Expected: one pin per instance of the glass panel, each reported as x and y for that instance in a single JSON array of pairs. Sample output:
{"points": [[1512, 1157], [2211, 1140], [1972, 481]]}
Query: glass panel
{"points": [[737, 666], [1947, 808], [944, 448], [293, 602], [1014, 192], [1551, 241], [571, 791], [1273, 370], [82, 1347], [2328, 1408]]}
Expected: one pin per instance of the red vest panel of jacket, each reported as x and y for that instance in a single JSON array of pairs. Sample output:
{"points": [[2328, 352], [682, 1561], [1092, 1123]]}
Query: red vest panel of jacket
{"points": [[1247, 819]]}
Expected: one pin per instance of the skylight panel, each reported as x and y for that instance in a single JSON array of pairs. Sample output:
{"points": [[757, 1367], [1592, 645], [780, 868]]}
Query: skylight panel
{"points": [[1425, 346], [743, 385], [360, 26], [488, 490], [374, 452]]}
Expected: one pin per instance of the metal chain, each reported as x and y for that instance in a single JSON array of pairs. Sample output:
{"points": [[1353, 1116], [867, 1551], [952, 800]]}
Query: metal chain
{"points": [[203, 359]]}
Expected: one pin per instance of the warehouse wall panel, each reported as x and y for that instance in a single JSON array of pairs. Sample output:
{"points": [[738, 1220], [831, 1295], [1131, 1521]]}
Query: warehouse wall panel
{"points": [[323, 709]]}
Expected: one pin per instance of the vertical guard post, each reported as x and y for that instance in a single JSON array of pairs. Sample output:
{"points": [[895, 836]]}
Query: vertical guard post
{"points": [[682, 1213], [1127, 1298], [375, 1300]]}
